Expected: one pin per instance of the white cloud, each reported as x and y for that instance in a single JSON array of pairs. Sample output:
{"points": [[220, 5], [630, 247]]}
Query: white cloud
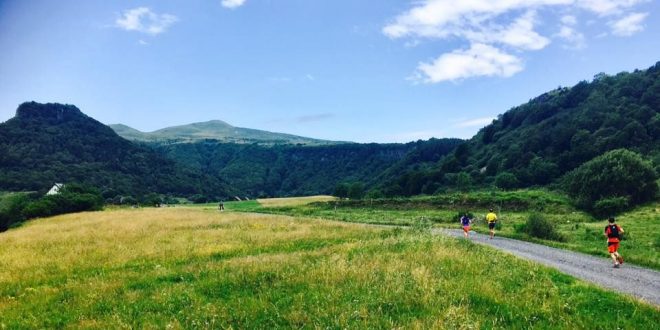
{"points": [[477, 122], [569, 20], [478, 60], [232, 3], [142, 19], [628, 25], [608, 7], [500, 24], [574, 39]]}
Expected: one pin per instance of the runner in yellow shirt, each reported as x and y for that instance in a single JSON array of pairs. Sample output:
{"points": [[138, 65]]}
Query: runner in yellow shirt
{"points": [[491, 217]]}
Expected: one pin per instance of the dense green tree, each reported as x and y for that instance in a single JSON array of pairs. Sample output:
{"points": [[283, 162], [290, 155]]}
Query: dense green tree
{"points": [[341, 190], [620, 173], [506, 181], [356, 190]]}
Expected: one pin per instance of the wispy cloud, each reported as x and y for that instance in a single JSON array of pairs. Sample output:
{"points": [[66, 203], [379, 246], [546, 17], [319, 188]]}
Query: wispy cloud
{"points": [[628, 25], [567, 31], [478, 60], [232, 3], [315, 117], [504, 26], [280, 79], [477, 122], [143, 20]]}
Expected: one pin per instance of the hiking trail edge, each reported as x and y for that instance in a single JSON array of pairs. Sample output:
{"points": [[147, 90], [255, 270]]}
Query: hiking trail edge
{"points": [[633, 280]]}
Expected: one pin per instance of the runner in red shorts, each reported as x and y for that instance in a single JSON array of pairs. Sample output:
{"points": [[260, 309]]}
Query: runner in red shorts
{"points": [[465, 222], [613, 233]]}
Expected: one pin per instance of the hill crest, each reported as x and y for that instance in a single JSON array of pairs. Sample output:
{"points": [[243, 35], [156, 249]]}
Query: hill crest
{"points": [[215, 130]]}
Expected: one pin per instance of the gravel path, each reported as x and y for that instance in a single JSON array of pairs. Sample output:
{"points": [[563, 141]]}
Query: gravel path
{"points": [[636, 281]]}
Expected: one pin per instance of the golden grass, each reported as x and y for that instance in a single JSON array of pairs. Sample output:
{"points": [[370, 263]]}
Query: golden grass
{"points": [[294, 201], [189, 268]]}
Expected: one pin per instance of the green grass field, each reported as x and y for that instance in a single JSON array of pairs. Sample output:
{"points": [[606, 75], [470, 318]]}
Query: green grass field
{"points": [[582, 233], [196, 268]]}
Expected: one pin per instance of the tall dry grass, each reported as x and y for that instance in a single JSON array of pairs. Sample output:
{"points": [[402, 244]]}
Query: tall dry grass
{"points": [[190, 268]]}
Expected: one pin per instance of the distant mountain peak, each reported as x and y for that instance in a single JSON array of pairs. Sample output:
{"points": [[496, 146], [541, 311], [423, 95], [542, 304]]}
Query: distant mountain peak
{"points": [[214, 130]]}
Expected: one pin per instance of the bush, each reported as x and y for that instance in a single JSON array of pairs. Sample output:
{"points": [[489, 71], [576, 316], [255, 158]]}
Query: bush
{"points": [[11, 209], [610, 206], [356, 190], [63, 203], [506, 181], [538, 226], [72, 198], [611, 178], [198, 199]]}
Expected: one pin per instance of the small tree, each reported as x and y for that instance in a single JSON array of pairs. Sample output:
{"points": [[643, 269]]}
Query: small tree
{"points": [[356, 190], [341, 190], [614, 180]]}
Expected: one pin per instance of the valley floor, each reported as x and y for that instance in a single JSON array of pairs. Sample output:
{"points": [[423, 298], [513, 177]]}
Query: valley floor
{"points": [[195, 268]]}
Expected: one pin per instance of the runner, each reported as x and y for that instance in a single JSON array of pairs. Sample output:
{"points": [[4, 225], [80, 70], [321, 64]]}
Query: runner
{"points": [[491, 217], [613, 233], [465, 221]]}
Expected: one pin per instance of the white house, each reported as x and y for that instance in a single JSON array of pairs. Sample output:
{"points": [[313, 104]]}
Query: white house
{"points": [[56, 189]]}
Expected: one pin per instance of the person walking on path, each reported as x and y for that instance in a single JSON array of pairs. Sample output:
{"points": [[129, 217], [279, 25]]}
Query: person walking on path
{"points": [[613, 233], [221, 206], [465, 222], [491, 217]]}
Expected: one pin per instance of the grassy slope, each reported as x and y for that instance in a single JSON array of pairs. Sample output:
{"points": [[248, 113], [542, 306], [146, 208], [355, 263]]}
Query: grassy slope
{"points": [[158, 268], [583, 233]]}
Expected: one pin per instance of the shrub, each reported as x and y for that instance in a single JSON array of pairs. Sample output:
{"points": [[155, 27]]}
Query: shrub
{"points": [[610, 206], [356, 190], [610, 178], [72, 198], [538, 226], [506, 181], [198, 199], [375, 194], [11, 209]]}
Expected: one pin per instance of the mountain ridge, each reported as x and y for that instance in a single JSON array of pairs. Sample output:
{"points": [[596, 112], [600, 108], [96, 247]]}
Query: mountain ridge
{"points": [[48, 143], [215, 130]]}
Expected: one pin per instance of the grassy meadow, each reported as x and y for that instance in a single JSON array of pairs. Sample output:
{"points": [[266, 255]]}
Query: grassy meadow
{"points": [[195, 268], [580, 231]]}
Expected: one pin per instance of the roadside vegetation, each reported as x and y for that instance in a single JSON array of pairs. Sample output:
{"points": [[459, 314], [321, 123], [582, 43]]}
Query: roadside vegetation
{"points": [[197, 268]]}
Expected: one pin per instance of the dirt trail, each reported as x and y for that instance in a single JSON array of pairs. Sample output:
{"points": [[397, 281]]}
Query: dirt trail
{"points": [[636, 281]]}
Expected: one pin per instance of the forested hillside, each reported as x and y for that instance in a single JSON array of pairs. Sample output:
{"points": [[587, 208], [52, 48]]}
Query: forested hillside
{"points": [[287, 170], [48, 143], [538, 142]]}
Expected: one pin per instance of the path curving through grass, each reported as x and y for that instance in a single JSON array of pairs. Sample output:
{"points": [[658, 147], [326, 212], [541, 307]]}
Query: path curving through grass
{"points": [[637, 281]]}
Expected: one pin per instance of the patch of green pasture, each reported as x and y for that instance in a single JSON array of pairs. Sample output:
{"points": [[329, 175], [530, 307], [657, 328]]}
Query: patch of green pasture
{"points": [[581, 231], [369, 279]]}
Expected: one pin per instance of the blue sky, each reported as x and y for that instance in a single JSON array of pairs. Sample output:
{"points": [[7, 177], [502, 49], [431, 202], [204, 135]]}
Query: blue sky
{"points": [[355, 70]]}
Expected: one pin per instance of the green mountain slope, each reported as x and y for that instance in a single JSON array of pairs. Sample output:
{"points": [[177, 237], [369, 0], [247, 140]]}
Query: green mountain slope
{"points": [[48, 143], [214, 130], [286, 170], [539, 141]]}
